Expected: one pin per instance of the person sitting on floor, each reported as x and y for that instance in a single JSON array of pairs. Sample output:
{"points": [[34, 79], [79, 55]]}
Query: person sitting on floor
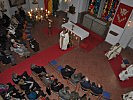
{"points": [[114, 51], [74, 95], [46, 79], [75, 78], [64, 93], [16, 78], [20, 49], [26, 85], [56, 86], [14, 21], [96, 89], [12, 93], [9, 54], [3, 88], [67, 72], [38, 69], [85, 84]]}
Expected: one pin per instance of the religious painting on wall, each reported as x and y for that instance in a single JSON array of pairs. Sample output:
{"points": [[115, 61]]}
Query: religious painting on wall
{"points": [[94, 6], [122, 15], [109, 9], [14, 3]]}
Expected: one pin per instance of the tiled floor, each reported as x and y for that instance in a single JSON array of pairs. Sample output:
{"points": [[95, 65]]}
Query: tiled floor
{"points": [[92, 64]]}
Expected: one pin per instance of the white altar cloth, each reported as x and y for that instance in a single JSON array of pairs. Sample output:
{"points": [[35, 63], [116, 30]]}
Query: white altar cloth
{"points": [[76, 30]]}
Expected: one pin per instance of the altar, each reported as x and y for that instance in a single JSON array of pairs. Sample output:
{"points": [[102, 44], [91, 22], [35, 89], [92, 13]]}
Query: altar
{"points": [[76, 33]]}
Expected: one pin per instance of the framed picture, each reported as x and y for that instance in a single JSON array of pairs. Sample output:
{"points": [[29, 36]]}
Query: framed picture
{"points": [[14, 3]]}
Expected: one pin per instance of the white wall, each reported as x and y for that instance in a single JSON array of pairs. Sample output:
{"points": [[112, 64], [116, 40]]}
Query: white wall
{"points": [[6, 6], [26, 7], [131, 43], [83, 5], [64, 6], [111, 38], [80, 6], [126, 34], [127, 2]]}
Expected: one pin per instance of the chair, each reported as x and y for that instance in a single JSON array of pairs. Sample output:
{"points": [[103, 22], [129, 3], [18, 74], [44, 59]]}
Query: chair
{"points": [[106, 95]]}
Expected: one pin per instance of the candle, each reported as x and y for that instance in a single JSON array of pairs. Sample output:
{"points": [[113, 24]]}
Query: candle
{"points": [[41, 8], [36, 17], [41, 16], [31, 10], [46, 10], [36, 8]]}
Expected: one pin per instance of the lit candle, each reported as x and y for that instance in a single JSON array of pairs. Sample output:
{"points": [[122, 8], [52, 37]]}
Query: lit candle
{"points": [[41, 16], [36, 17], [31, 10], [36, 8], [41, 8], [46, 10]]}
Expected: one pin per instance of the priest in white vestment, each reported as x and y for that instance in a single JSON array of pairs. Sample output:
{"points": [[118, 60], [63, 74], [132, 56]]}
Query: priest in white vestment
{"points": [[126, 74], [114, 51], [128, 96], [64, 39]]}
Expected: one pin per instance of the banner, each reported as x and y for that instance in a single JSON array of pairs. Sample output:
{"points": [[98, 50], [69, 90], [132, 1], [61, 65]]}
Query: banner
{"points": [[46, 4], [50, 6], [122, 15]]}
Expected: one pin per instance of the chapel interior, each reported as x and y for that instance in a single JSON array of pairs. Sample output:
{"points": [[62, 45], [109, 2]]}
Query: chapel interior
{"points": [[106, 23]]}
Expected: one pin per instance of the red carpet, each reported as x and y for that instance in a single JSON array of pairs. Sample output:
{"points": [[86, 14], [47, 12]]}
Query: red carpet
{"points": [[41, 58], [55, 30], [92, 41], [116, 66]]}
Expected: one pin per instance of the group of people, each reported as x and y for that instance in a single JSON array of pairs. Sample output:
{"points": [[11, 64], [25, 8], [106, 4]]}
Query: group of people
{"points": [[53, 85], [68, 73], [9, 92], [29, 86], [14, 34]]}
